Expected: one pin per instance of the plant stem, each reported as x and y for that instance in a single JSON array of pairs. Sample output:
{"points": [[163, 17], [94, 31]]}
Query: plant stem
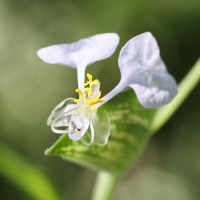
{"points": [[185, 87], [105, 186]]}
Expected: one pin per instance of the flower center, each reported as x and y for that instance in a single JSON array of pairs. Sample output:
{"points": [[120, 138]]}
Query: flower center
{"points": [[87, 93]]}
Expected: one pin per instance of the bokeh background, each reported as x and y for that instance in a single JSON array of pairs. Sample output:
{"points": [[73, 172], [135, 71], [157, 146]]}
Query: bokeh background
{"points": [[29, 89]]}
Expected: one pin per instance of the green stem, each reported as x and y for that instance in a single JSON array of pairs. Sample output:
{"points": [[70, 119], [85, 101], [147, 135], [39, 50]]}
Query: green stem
{"points": [[185, 87], [105, 186]]}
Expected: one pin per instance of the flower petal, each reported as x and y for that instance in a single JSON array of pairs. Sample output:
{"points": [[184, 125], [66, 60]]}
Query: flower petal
{"points": [[62, 107], [143, 69], [101, 124], [156, 90], [141, 51], [82, 123], [81, 53]]}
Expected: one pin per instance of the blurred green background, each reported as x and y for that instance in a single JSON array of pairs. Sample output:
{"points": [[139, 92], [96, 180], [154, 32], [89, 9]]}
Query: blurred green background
{"points": [[30, 88]]}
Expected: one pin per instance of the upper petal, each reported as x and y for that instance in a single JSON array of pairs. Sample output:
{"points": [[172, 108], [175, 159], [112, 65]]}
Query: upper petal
{"points": [[81, 53], [141, 51], [143, 69]]}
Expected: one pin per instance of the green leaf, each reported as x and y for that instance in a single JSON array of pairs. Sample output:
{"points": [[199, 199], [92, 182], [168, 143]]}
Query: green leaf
{"points": [[130, 124], [25, 176]]}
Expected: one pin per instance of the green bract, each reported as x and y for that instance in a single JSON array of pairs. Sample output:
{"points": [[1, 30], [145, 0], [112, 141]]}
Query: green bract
{"points": [[129, 127]]}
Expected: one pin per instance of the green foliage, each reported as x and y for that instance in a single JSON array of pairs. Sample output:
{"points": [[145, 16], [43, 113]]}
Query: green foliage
{"points": [[30, 88], [185, 88], [129, 134], [25, 176]]}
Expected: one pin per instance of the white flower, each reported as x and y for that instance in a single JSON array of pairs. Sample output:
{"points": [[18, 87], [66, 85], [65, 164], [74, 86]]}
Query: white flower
{"points": [[81, 53], [141, 68]]}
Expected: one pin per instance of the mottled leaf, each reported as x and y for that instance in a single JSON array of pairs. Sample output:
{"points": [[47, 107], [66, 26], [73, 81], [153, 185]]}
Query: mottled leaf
{"points": [[129, 127]]}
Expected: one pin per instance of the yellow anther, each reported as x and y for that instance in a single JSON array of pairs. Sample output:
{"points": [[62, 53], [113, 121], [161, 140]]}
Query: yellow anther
{"points": [[95, 100], [79, 91], [92, 101], [93, 107], [90, 83], [89, 76], [82, 94]]}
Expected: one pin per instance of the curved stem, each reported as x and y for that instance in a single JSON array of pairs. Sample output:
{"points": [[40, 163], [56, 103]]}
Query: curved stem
{"points": [[185, 87], [105, 186]]}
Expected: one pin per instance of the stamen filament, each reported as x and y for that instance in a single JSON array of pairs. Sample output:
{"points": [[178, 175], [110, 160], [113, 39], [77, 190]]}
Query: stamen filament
{"points": [[92, 100]]}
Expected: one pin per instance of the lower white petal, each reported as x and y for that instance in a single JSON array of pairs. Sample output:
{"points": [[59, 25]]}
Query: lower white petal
{"points": [[63, 107], [101, 124], [82, 123]]}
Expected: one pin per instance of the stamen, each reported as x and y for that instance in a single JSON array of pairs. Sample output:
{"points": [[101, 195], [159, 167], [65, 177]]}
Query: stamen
{"points": [[90, 83], [89, 76], [96, 100], [92, 100], [82, 94]]}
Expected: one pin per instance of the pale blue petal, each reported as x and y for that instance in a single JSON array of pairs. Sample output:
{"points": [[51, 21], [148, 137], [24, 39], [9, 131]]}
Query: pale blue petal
{"points": [[142, 69], [81, 53], [141, 51], [154, 89]]}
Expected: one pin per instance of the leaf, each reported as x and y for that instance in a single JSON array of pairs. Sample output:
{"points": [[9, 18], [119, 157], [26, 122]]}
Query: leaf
{"points": [[130, 124], [27, 177]]}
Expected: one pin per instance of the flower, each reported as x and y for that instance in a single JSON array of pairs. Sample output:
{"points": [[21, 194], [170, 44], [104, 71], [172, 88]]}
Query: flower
{"points": [[141, 68], [81, 53]]}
